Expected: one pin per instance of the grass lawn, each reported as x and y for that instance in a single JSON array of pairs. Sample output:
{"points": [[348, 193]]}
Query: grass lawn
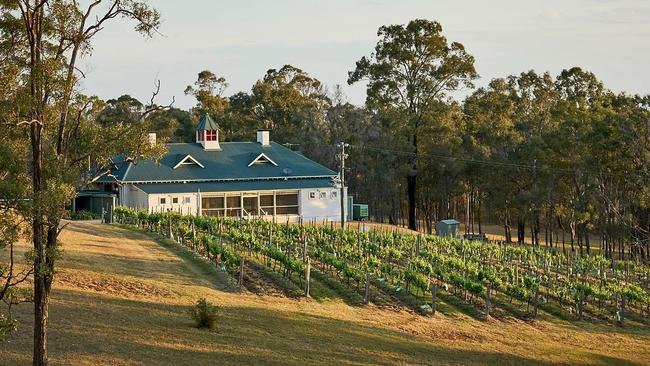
{"points": [[121, 298]]}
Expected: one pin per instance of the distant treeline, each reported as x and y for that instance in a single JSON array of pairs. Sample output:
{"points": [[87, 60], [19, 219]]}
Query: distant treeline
{"points": [[557, 158]]}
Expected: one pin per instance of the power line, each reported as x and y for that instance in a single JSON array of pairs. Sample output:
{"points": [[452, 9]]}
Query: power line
{"points": [[465, 160]]}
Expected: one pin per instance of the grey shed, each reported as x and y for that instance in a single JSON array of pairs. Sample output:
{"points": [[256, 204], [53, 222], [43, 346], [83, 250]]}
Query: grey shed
{"points": [[448, 227]]}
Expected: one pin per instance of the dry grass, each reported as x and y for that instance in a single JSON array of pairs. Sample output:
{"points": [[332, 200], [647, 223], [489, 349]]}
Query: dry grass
{"points": [[122, 299]]}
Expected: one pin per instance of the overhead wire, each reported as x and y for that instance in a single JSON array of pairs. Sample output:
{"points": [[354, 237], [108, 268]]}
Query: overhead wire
{"points": [[466, 160]]}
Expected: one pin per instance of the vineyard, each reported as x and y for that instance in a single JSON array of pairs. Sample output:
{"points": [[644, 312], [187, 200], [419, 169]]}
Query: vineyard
{"points": [[417, 270]]}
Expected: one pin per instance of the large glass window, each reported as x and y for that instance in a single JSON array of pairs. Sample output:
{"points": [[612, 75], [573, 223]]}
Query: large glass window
{"points": [[286, 199], [286, 203], [250, 205], [233, 205], [233, 201], [267, 204], [212, 202], [280, 203], [212, 206]]}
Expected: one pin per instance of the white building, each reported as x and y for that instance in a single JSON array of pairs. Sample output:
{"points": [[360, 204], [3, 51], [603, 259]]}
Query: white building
{"points": [[241, 179]]}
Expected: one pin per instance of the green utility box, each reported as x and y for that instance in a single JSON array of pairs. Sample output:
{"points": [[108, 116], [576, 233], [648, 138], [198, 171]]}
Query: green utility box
{"points": [[449, 227], [359, 211]]}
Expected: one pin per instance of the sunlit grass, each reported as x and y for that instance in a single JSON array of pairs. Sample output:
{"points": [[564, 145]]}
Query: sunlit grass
{"points": [[122, 299]]}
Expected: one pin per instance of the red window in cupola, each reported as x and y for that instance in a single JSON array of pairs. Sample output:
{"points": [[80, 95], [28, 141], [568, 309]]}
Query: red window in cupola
{"points": [[210, 135], [200, 135]]}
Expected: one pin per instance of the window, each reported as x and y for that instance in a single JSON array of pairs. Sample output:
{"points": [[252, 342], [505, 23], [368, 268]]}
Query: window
{"points": [[334, 194], [266, 200], [312, 195], [254, 204], [213, 206], [233, 202], [286, 203], [163, 200], [286, 199], [323, 195], [186, 200], [267, 204], [200, 135], [233, 206], [211, 135], [212, 202], [175, 200]]}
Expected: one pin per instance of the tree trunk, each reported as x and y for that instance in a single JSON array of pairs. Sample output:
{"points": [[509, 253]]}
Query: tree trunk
{"points": [[507, 228], [480, 227], [536, 229], [42, 277], [41, 311], [572, 226], [521, 231], [467, 213], [411, 182]]}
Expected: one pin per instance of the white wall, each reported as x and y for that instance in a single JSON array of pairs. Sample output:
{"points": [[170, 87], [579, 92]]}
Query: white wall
{"points": [[182, 206], [319, 208], [133, 197]]}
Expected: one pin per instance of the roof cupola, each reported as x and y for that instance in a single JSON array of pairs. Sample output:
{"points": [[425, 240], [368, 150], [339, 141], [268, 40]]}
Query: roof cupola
{"points": [[207, 133]]}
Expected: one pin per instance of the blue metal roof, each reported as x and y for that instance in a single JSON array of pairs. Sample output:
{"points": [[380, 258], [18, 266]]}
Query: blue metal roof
{"points": [[231, 162], [207, 123], [231, 186], [118, 171]]}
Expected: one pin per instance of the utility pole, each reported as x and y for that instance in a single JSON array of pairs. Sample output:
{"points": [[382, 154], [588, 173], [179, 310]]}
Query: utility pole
{"points": [[342, 157]]}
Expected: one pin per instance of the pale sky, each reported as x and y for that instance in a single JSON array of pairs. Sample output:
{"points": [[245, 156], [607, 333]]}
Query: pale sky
{"points": [[242, 39]]}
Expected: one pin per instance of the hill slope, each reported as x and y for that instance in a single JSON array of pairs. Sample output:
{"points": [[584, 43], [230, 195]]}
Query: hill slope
{"points": [[121, 298]]}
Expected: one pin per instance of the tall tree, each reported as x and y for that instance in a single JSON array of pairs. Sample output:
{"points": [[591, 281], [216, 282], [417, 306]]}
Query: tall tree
{"points": [[208, 90], [292, 103], [124, 109], [50, 37], [413, 68]]}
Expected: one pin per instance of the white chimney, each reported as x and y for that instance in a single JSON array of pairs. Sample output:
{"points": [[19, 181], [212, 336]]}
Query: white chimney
{"points": [[152, 138], [263, 137]]}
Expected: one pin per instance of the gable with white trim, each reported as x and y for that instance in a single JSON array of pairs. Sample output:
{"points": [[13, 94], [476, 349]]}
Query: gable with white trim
{"points": [[188, 160], [262, 159]]}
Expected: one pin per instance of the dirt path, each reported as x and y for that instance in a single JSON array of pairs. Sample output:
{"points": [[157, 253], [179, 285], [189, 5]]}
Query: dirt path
{"points": [[121, 298]]}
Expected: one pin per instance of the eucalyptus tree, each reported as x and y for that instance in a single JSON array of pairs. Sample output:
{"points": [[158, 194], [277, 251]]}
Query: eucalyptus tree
{"points": [[14, 185], [287, 100], [621, 172], [441, 179], [413, 68], [490, 134], [209, 89], [291, 102], [580, 106], [46, 40], [125, 109]]}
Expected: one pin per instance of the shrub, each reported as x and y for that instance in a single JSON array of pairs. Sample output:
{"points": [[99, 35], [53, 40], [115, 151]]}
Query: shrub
{"points": [[204, 314], [85, 215]]}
